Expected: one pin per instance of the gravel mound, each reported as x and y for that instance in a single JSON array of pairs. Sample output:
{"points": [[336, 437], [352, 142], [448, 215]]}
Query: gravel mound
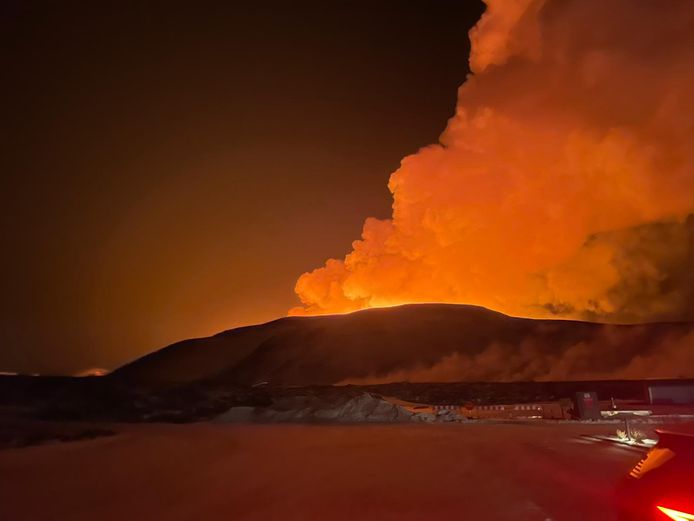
{"points": [[364, 408]]}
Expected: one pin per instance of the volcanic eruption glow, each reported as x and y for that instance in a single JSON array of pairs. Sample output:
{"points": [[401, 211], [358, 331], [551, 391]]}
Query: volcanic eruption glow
{"points": [[562, 185]]}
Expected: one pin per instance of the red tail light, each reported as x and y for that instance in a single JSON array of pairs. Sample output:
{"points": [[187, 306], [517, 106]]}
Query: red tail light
{"points": [[676, 515]]}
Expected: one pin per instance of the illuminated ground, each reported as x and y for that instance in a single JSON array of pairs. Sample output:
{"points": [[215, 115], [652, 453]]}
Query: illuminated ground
{"points": [[299, 472]]}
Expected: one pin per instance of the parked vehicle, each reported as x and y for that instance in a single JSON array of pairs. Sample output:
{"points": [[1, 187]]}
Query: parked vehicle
{"points": [[661, 486]]}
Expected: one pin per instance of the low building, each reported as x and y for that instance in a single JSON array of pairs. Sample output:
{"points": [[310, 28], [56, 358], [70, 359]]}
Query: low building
{"points": [[670, 393]]}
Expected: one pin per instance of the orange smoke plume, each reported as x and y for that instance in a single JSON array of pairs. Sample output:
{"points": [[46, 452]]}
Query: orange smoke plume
{"points": [[561, 186]]}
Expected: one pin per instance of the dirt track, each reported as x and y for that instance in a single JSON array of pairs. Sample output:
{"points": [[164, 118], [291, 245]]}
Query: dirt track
{"points": [[299, 472]]}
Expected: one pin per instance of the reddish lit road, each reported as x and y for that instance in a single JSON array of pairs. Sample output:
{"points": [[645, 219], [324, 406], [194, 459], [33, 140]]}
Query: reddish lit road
{"points": [[292, 472]]}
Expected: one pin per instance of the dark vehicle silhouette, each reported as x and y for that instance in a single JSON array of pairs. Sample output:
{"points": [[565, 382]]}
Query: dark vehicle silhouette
{"points": [[661, 486]]}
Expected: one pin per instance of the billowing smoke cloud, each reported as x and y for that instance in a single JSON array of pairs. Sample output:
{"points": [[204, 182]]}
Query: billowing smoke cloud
{"points": [[561, 186], [611, 354]]}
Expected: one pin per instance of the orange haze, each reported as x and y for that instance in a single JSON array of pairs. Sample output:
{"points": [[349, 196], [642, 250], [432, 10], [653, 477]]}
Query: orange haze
{"points": [[562, 185]]}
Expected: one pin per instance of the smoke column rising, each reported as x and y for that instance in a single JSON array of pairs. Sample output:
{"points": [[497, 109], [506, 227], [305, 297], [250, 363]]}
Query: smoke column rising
{"points": [[562, 185]]}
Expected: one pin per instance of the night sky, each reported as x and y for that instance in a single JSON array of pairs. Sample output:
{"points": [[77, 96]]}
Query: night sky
{"points": [[168, 172]]}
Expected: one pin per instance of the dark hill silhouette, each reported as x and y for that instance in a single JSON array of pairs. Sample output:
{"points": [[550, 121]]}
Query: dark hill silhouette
{"points": [[422, 342]]}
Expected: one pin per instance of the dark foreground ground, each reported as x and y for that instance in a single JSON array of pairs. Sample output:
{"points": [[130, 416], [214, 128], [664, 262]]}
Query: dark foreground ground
{"points": [[209, 471]]}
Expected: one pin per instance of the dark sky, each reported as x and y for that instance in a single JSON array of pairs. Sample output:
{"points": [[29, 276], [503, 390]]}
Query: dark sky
{"points": [[170, 171]]}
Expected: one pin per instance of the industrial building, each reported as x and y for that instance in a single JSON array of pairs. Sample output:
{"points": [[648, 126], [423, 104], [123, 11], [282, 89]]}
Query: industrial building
{"points": [[670, 393]]}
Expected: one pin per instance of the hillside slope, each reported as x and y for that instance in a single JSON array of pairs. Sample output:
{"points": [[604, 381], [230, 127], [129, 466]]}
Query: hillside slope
{"points": [[419, 342]]}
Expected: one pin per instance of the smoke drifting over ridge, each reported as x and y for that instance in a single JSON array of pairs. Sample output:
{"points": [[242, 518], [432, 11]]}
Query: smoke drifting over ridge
{"points": [[562, 185], [603, 356]]}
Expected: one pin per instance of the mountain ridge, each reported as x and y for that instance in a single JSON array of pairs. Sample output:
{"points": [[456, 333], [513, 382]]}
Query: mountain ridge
{"points": [[380, 344]]}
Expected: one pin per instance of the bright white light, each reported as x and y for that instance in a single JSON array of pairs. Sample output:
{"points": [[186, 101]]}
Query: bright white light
{"points": [[676, 514]]}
